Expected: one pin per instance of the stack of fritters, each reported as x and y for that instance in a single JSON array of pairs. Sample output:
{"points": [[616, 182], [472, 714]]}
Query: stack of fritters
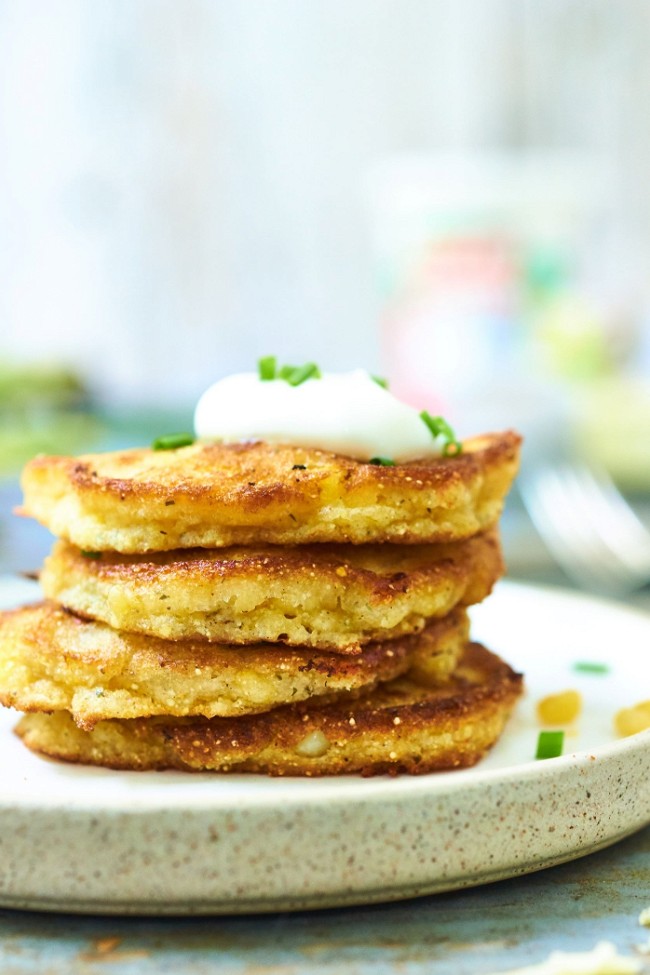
{"points": [[263, 608]]}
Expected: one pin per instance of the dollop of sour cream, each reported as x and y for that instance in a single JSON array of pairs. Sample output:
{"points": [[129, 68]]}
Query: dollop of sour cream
{"points": [[345, 413]]}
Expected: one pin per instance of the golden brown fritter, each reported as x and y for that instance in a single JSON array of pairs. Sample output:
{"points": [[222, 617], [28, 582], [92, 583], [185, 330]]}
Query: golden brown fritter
{"points": [[331, 597], [213, 495], [50, 660], [403, 726]]}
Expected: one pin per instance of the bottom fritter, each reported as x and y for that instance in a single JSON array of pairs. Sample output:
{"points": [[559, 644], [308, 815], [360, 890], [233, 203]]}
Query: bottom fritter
{"points": [[402, 726]]}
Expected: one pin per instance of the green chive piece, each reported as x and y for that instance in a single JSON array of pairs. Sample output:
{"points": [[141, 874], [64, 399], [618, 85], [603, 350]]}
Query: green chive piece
{"points": [[440, 428], [437, 425], [380, 381], [590, 667], [309, 371], [382, 461], [550, 744], [452, 448], [294, 375], [91, 555], [172, 440], [285, 372], [267, 367]]}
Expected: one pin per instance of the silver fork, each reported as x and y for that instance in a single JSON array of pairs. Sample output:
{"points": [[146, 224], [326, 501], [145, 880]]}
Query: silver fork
{"points": [[588, 527]]}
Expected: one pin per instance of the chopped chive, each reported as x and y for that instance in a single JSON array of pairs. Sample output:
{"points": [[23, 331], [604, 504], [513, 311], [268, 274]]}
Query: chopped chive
{"points": [[91, 555], [452, 448], [440, 428], [284, 372], [437, 425], [590, 667], [550, 744], [299, 467], [380, 381], [172, 440], [300, 374], [267, 367], [294, 375], [382, 461]]}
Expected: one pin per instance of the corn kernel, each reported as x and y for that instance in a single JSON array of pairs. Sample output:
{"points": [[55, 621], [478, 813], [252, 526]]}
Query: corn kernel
{"points": [[313, 745], [629, 721], [559, 709]]}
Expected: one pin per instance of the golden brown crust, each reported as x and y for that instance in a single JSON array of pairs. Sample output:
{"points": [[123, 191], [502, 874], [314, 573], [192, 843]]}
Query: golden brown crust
{"points": [[400, 727], [214, 495], [330, 597], [51, 660]]}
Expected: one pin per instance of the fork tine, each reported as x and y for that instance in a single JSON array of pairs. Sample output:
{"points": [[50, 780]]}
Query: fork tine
{"points": [[563, 536], [590, 531], [621, 530]]}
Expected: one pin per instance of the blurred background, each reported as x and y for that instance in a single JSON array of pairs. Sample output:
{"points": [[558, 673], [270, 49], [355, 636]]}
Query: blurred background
{"points": [[452, 193]]}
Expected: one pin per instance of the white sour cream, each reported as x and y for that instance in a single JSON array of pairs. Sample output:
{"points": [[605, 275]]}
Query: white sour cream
{"points": [[345, 413]]}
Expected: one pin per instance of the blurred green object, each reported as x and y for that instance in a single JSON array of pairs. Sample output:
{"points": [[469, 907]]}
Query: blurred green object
{"points": [[611, 429], [569, 334], [23, 386], [44, 408]]}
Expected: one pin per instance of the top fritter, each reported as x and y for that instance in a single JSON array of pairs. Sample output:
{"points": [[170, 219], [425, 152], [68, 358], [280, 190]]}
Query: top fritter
{"points": [[209, 495]]}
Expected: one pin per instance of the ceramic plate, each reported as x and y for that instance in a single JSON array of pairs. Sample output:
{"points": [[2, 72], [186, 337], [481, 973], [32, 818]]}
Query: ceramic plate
{"points": [[94, 840]]}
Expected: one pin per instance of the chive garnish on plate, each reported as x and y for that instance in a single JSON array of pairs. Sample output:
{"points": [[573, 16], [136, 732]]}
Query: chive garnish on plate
{"points": [[91, 555], [590, 667], [171, 441], [380, 381], [382, 461], [550, 744]]}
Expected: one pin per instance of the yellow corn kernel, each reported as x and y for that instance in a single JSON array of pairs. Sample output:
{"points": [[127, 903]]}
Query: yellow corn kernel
{"points": [[313, 745], [559, 709], [629, 721]]}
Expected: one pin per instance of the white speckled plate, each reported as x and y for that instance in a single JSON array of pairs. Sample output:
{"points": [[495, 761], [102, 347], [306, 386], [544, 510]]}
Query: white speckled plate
{"points": [[94, 840]]}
